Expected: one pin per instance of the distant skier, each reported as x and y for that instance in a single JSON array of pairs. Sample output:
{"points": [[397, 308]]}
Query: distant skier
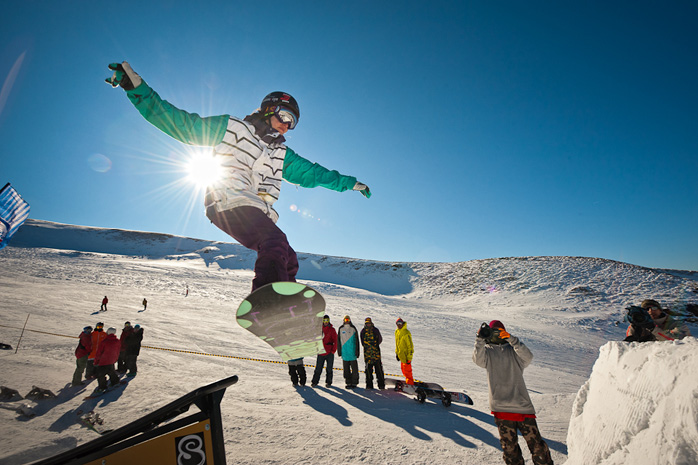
{"points": [[103, 307], [329, 343], [404, 349], [107, 355], [145, 304], [371, 340], [348, 349], [504, 357], [82, 352], [662, 326], [255, 161]]}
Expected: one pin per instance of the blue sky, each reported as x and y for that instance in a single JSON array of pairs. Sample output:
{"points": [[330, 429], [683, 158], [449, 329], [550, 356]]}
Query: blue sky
{"points": [[484, 129]]}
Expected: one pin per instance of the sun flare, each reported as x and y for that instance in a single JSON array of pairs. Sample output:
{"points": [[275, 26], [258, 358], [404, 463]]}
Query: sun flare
{"points": [[203, 169]]}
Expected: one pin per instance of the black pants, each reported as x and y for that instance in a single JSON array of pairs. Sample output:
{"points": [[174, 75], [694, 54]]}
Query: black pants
{"points": [[297, 373], [130, 363], [102, 373], [321, 359], [351, 372], [380, 377], [90, 369]]}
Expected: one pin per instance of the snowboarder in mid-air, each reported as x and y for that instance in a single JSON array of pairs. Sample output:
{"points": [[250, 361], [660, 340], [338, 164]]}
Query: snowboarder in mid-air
{"points": [[255, 161]]}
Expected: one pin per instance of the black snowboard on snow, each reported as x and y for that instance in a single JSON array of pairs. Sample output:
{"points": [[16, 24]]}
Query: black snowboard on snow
{"points": [[422, 391]]}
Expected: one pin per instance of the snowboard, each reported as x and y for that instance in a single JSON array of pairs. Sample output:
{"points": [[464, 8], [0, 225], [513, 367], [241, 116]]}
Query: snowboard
{"points": [[422, 391], [287, 316], [93, 421]]}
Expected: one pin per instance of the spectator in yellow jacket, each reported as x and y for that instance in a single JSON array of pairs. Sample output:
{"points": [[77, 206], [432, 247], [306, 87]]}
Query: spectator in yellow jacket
{"points": [[404, 349]]}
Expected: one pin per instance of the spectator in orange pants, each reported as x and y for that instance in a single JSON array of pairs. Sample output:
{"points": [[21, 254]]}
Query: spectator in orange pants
{"points": [[404, 349]]}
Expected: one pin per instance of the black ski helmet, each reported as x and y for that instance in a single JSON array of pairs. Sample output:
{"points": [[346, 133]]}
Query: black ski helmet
{"points": [[282, 99]]}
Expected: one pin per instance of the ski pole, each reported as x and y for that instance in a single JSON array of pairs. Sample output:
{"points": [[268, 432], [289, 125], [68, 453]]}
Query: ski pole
{"points": [[20, 336]]}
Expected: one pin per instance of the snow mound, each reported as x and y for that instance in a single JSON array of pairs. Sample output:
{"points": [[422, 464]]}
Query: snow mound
{"points": [[639, 406]]}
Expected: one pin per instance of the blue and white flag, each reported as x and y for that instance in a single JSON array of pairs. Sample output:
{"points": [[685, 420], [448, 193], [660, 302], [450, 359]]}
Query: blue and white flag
{"points": [[13, 211]]}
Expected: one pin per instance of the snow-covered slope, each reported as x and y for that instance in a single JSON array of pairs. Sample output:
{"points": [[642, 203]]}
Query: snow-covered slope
{"points": [[563, 308]]}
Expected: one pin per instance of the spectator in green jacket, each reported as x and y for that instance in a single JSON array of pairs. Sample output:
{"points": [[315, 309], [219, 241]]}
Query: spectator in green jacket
{"points": [[254, 163]]}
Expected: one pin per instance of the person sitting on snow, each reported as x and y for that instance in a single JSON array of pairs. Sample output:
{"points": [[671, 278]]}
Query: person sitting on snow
{"points": [[504, 357]]}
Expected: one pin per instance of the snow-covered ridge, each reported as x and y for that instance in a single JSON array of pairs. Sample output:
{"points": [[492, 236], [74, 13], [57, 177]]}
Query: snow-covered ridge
{"points": [[579, 281]]}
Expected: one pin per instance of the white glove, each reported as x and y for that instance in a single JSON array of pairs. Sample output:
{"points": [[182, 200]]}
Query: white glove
{"points": [[363, 188]]}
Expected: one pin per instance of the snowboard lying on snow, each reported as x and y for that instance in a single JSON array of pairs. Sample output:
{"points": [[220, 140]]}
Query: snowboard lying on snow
{"points": [[422, 391], [92, 421]]}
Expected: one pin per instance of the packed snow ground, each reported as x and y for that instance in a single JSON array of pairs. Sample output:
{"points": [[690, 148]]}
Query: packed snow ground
{"points": [[563, 308]]}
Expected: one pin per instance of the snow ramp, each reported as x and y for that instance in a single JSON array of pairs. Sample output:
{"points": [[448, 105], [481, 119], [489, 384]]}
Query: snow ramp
{"points": [[639, 406]]}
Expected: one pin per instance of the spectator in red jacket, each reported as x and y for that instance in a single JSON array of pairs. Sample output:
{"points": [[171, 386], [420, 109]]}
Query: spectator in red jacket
{"points": [[81, 353], [98, 335], [107, 355], [329, 342]]}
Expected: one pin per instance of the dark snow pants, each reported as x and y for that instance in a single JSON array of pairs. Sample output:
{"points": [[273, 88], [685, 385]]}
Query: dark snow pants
{"points": [[540, 454], [90, 369], [297, 373], [276, 260], [102, 372], [321, 359], [130, 363], [81, 364], [351, 372], [380, 377]]}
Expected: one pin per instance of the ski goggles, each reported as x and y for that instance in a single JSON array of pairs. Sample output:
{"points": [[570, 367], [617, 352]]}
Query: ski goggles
{"points": [[285, 115]]}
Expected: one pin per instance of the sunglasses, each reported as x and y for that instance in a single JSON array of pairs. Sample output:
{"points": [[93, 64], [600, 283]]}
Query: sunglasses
{"points": [[286, 116]]}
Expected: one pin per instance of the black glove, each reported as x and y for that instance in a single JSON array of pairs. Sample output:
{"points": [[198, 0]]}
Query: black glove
{"points": [[123, 76], [397, 358], [485, 331]]}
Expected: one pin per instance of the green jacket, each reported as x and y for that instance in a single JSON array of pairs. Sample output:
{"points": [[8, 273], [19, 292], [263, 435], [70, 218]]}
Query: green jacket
{"points": [[251, 166]]}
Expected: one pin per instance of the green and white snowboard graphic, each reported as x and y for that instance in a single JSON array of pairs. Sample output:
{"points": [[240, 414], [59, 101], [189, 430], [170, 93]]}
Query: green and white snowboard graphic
{"points": [[287, 316]]}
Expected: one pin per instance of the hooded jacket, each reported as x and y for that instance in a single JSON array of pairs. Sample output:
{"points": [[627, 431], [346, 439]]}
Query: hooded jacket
{"points": [[505, 364], [253, 157], [108, 352], [98, 335], [126, 334], [84, 346], [133, 343], [404, 348], [370, 340], [348, 342], [329, 339]]}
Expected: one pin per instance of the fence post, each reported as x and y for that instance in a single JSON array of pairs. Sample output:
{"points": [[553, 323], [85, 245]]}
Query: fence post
{"points": [[20, 336]]}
